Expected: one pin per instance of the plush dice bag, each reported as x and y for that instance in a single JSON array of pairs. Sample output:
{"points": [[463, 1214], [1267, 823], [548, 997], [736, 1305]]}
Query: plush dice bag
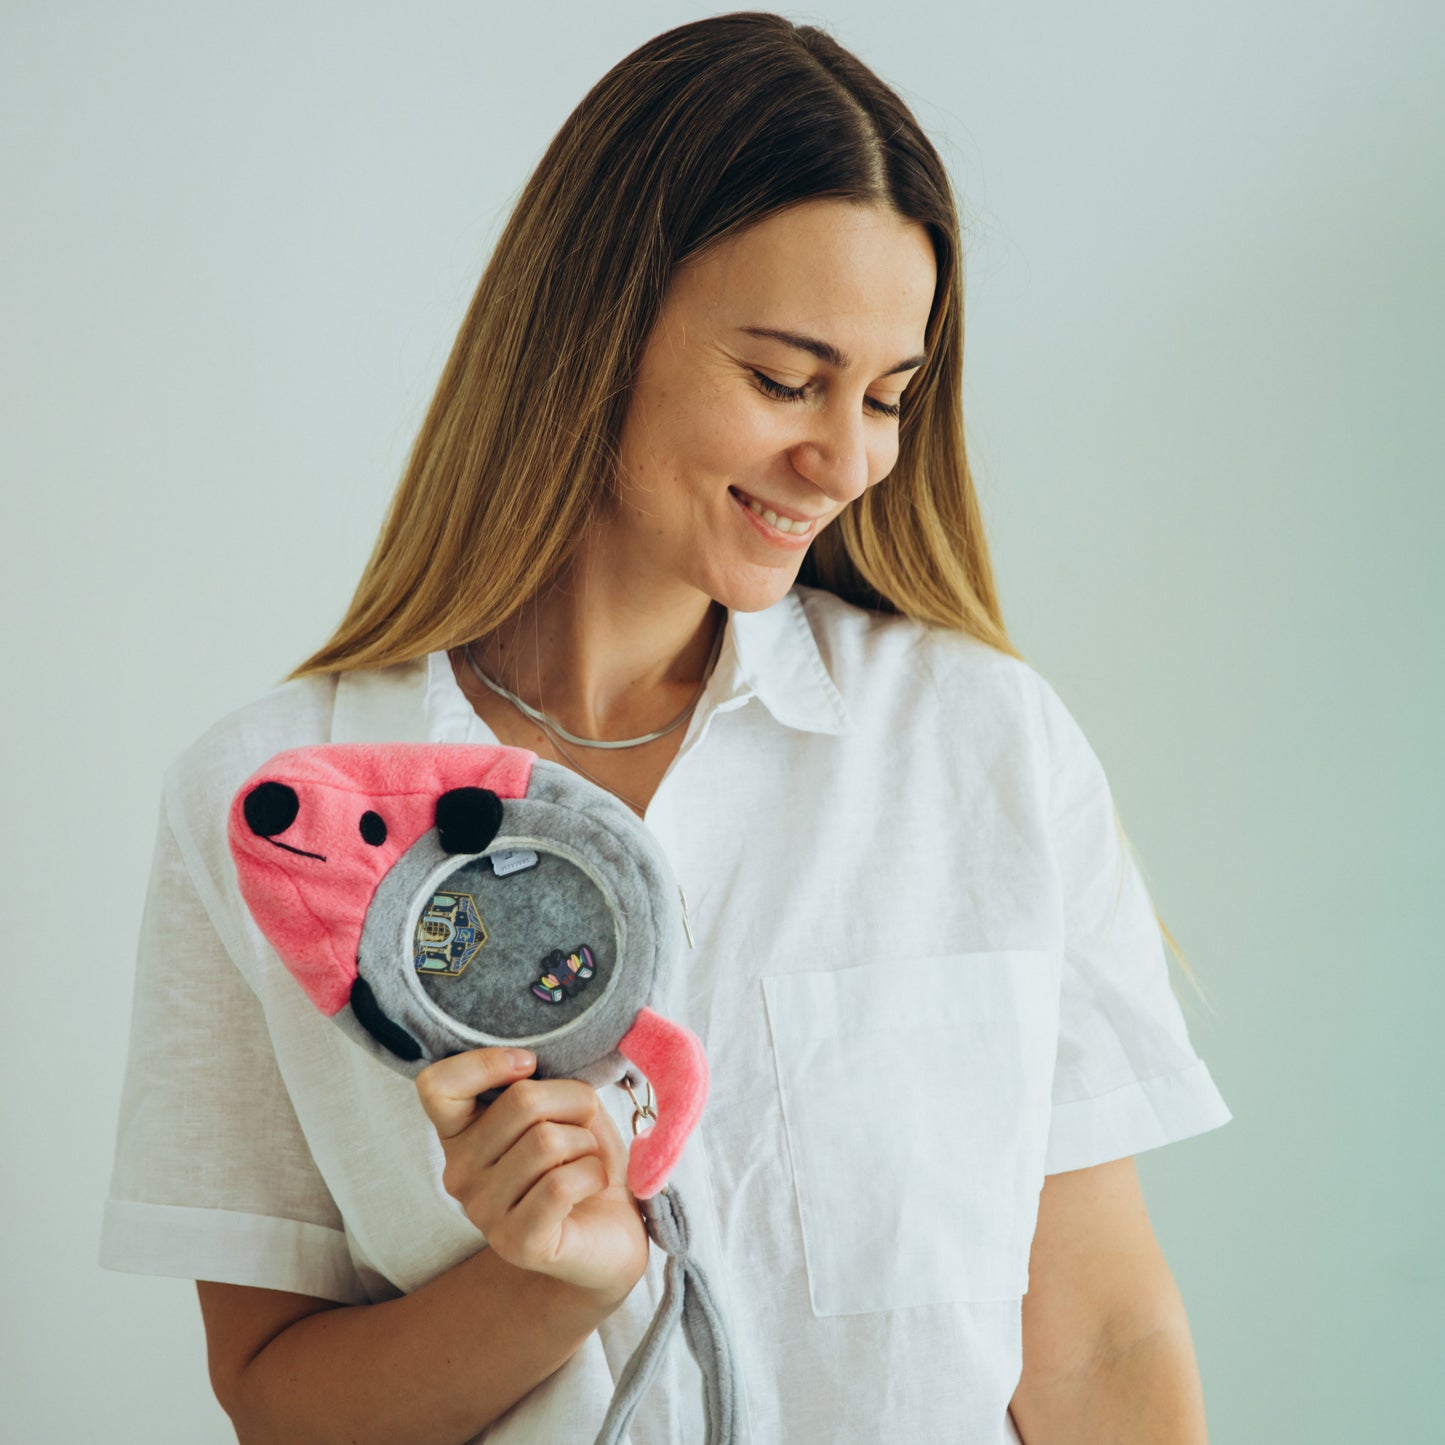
{"points": [[433, 898]]}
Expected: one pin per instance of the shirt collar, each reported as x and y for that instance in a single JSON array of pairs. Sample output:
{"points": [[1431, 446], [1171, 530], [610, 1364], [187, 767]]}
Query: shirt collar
{"points": [[413, 702], [771, 655], [774, 656]]}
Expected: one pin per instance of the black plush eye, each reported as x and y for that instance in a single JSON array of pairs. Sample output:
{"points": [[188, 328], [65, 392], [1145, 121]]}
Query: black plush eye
{"points": [[373, 829], [270, 808]]}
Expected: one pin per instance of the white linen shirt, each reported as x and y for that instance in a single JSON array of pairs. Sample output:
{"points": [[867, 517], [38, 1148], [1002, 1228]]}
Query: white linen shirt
{"points": [[925, 974]]}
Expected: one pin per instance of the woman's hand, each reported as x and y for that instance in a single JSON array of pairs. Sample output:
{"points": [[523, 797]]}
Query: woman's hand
{"points": [[542, 1171]]}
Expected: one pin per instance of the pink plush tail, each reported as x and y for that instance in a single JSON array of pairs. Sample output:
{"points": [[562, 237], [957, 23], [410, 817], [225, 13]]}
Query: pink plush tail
{"points": [[672, 1058]]}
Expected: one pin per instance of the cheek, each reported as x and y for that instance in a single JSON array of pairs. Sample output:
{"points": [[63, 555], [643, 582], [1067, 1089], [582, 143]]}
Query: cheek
{"points": [[882, 457], [719, 440], [743, 436]]}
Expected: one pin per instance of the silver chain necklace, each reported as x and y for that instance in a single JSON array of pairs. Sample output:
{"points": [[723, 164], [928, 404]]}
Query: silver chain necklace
{"points": [[538, 716], [622, 797], [548, 725]]}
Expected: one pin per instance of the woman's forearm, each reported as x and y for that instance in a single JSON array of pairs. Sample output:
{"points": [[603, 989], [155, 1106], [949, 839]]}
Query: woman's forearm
{"points": [[1147, 1394], [434, 1366]]}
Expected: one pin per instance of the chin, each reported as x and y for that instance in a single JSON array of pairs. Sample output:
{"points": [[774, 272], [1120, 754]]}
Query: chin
{"points": [[753, 593]]}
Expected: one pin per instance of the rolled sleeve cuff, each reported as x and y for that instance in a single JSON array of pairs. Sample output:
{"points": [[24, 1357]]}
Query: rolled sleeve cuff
{"points": [[217, 1244], [1139, 1116]]}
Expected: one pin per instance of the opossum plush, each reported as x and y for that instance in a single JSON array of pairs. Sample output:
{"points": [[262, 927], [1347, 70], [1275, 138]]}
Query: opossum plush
{"points": [[432, 898]]}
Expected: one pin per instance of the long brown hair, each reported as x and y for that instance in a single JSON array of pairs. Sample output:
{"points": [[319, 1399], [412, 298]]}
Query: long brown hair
{"points": [[701, 132]]}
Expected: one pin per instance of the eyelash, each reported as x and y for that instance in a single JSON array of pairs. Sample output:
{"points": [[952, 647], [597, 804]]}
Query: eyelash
{"points": [[796, 393]]}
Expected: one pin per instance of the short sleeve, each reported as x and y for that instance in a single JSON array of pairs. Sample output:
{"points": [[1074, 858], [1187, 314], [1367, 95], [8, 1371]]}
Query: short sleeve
{"points": [[212, 1177], [1126, 1076]]}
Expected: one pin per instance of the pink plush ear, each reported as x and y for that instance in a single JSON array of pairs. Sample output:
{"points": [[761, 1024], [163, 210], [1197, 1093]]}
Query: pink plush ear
{"points": [[673, 1060], [357, 808]]}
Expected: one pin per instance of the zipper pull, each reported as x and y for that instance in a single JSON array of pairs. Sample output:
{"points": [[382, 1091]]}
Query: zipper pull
{"points": [[686, 926]]}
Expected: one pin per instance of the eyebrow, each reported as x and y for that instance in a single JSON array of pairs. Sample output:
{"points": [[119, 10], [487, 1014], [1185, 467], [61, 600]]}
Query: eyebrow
{"points": [[824, 350]]}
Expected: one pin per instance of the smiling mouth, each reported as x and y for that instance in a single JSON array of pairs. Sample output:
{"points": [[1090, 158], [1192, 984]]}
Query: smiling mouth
{"points": [[785, 526], [300, 852]]}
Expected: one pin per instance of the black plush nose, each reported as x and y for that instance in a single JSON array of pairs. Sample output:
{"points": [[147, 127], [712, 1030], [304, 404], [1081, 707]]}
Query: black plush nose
{"points": [[270, 808]]}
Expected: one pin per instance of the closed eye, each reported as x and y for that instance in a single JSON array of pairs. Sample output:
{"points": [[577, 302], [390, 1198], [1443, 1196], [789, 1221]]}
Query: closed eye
{"points": [[797, 393]]}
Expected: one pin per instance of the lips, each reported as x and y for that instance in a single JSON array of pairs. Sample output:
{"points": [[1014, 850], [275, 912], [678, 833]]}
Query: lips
{"points": [[773, 507], [778, 521]]}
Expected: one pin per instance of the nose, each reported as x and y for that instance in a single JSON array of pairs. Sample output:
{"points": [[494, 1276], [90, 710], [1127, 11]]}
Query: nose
{"points": [[270, 808], [834, 457]]}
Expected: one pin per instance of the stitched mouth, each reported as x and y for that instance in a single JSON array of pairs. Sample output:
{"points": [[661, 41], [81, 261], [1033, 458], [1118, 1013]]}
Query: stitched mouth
{"points": [[300, 852]]}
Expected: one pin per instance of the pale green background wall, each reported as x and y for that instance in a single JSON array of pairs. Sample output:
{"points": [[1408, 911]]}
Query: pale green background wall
{"points": [[1204, 394]]}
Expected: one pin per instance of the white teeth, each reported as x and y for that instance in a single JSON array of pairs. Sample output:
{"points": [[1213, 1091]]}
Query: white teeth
{"points": [[783, 524]]}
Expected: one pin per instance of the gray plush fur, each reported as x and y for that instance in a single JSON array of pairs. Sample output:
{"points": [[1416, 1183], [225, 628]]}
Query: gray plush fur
{"points": [[600, 879], [551, 906]]}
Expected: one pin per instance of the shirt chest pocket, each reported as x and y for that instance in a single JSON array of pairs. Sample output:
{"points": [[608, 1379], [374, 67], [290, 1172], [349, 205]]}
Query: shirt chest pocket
{"points": [[915, 1098]]}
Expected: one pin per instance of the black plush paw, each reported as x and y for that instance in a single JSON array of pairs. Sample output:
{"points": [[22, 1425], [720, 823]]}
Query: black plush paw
{"points": [[468, 819], [385, 1030]]}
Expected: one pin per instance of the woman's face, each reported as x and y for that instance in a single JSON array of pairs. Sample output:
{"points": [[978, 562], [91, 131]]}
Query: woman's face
{"points": [[725, 420]]}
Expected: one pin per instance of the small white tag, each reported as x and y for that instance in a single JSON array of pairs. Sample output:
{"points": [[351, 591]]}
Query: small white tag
{"points": [[512, 860]]}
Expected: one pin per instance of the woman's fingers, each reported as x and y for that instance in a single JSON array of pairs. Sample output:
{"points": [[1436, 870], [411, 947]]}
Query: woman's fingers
{"points": [[448, 1092], [541, 1170], [546, 1145], [540, 1216], [448, 1089]]}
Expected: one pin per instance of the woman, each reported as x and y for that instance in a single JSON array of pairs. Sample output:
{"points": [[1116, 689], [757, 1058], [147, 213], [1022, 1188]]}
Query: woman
{"points": [[690, 513]]}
